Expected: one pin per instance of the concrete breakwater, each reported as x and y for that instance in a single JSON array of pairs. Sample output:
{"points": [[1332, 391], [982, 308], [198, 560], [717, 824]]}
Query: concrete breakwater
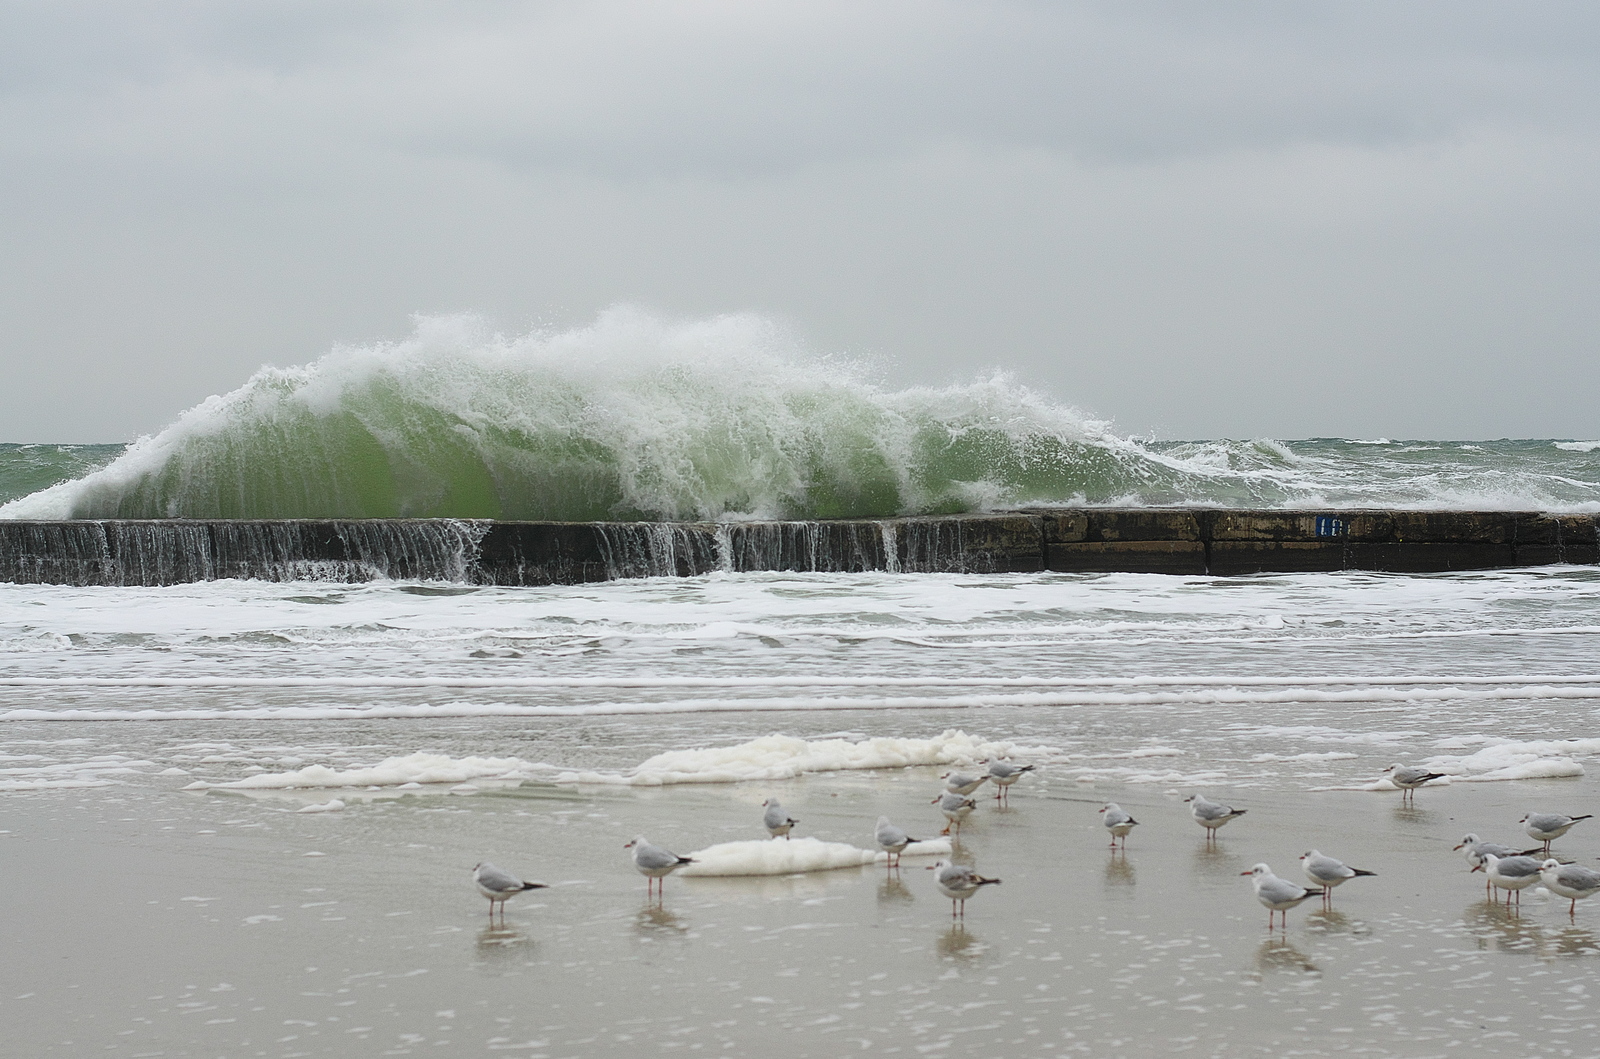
{"points": [[1136, 540]]}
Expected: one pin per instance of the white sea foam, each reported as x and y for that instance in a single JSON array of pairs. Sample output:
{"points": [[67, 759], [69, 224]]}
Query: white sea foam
{"points": [[1499, 759], [1219, 697], [785, 857], [1578, 446], [774, 757], [778, 757], [31, 772], [333, 805], [1513, 759], [413, 768]]}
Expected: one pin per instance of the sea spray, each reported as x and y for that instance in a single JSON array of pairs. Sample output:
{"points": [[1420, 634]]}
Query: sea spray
{"points": [[631, 418], [636, 419]]}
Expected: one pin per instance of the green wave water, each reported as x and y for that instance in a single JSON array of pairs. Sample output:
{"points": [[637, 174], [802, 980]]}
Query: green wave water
{"points": [[636, 418]]}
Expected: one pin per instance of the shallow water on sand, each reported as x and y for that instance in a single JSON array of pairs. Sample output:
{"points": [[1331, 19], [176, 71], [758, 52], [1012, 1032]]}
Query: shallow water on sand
{"points": [[224, 920]]}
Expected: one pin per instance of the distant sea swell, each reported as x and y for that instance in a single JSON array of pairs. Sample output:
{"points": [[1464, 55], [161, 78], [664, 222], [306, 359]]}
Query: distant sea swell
{"points": [[637, 418]]}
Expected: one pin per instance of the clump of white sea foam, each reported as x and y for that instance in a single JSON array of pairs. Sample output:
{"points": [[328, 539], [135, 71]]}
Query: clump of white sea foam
{"points": [[779, 757], [1499, 759], [785, 857], [418, 768], [1513, 759]]}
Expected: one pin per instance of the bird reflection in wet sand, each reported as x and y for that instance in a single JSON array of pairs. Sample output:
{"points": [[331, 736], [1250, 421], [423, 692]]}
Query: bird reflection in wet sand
{"points": [[894, 890], [501, 946], [1119, 873], [655, 921], [958, 944], [1329, 921], [1496, 927], [1277, 954]]}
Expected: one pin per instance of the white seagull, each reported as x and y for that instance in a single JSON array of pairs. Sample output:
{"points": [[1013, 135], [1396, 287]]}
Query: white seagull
{"points": [[1118, 822], [960, 783], [892, 840], [1511, 874], [501, 886], [1278, 895], [1572, 881], [777, 821], [958, 882], [1547, 827], [1409, 777], [1473, 848], [1212, 815], [955, 809], [1327, 872], [654, 863], [1004, 774]]}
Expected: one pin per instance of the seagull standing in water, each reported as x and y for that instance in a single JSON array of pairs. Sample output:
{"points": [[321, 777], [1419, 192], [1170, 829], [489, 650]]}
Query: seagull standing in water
{"points": [[960, 783], [654, 863], [1004, 774], [958, 882], [777, 821], [1118, 822], [892, 840], [1326, 872], [1473, 848], [499, 885], [1511, 874], [1572, 881], [955, 809], [1408, 778], [1212, 815], [1547, 827], [1278, 895]]}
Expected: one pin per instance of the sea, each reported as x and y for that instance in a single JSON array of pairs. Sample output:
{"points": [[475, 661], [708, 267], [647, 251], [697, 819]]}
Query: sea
{"points": [[240, 817]]}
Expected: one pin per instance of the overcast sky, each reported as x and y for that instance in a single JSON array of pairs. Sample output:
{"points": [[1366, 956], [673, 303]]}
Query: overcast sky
{"points": [[1196, 219]]}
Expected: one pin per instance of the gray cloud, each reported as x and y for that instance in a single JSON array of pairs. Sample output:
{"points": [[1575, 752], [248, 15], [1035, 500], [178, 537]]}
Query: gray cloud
{"points": [[1206, 219]]}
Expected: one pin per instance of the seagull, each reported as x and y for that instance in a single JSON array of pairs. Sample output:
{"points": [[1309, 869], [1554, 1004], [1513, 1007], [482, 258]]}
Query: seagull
{"points": [[958, 882], [955, 809], [1511, 874], [1279, 895], [1211, 815], [1004, 775], [892, 840], [1327, 873], [778, 822], [1408, 778], [1547, 827], [498, 885], [1118, 822], [1572, 881], [960, 783], [1473, 848], [653, 862]]}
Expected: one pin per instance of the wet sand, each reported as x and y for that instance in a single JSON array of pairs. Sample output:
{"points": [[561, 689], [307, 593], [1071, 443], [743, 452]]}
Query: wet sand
{"points": [[147, 921]]}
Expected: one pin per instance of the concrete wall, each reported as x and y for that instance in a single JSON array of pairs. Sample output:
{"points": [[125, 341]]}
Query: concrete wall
{"points": [[1170, 541]]}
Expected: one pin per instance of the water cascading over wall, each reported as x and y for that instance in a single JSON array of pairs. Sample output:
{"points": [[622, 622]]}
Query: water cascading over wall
{"points": [[166, 552], [1193, 542]]}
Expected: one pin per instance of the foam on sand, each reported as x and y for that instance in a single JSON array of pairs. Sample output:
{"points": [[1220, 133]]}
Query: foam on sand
{"points": [[779, 757], [1499, 759], [418, 768], [1513, 759], [34, 772], [793, 857]]}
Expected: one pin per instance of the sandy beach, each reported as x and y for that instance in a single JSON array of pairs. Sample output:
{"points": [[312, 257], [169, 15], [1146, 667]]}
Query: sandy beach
{"points": [[146, 920]]}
